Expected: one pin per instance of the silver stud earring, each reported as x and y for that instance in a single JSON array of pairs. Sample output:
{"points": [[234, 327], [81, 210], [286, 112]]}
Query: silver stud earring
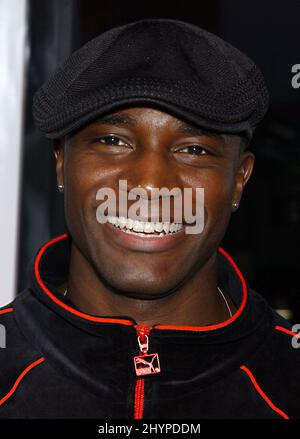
{"points": [[235, 204], [60, 187]]}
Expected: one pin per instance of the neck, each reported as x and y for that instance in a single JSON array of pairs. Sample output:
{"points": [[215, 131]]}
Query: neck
{"points": [[196, 303]]}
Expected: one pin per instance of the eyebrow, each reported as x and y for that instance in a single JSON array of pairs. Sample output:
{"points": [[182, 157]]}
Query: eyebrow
{"points": [[115, 119], [184, 128]]}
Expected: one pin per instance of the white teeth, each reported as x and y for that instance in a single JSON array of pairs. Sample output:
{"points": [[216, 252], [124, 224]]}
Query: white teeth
{"points": [[144, 228], [159, 227], [138, 226], [129, 223], [177, 227], [172, 227], [144, 235], [166, 227], [122, 222], [148, 227], [112, 219]]}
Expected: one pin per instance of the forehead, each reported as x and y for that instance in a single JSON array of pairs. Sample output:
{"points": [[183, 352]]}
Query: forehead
{"points": [[137, 116]]}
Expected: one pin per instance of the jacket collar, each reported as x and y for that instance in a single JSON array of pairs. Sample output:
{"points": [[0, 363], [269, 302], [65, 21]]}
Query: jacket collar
{"points": [[51, 269], [84, 347]]}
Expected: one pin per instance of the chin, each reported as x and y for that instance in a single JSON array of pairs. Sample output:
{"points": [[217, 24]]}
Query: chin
{"points": [[138, 285]]}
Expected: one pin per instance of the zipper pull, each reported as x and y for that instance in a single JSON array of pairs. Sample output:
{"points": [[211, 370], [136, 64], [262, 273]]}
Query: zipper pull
{"points": [[144, 363], [143, 339]]}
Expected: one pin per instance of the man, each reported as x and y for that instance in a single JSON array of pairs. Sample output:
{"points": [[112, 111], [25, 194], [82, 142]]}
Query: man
{"points": [[138, 318]]}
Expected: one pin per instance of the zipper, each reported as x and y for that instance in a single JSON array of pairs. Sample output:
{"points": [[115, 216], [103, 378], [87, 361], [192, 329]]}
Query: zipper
{"points": [[145, 364], [139, 398]]}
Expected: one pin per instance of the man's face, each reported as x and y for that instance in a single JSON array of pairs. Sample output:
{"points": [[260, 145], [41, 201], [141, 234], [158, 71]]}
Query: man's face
{"points": [[150, 149]]}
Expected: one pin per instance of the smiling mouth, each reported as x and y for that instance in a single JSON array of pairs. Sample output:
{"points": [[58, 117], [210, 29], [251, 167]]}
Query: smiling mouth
{"points": [[145, 229]]}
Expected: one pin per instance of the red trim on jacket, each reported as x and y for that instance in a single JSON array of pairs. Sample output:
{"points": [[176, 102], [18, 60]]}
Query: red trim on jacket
{"points": [[128, 322], [59, 302], [262, 394], [226, 322], [20, 377], [287, 331], [4, 311], [139, 398]]}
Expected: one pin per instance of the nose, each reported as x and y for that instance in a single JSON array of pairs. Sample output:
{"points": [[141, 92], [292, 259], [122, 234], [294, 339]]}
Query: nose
{"points": [[151, 172]]}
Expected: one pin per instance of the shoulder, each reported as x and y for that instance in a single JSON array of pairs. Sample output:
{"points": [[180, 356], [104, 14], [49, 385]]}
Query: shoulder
{"points": [[17, 355], [275, 369], [12, 339], [8, 328], [286, 338]]}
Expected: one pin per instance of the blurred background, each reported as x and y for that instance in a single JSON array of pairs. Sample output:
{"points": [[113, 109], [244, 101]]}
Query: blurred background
{"points": [[263, 236]]}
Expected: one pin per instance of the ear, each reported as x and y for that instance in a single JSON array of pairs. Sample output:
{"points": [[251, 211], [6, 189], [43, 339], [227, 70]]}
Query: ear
{"points": [[58, 150], [245, 169]]}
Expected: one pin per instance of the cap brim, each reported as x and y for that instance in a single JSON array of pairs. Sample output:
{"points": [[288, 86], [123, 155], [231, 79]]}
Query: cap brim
{"points": [[187, 115]]}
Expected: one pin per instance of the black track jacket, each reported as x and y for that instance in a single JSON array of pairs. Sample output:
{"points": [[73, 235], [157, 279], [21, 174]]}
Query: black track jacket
{"points": [[62, 363]]}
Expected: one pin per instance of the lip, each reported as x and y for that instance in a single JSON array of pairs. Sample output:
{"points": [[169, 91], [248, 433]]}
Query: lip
{"points": [[139, 243]]}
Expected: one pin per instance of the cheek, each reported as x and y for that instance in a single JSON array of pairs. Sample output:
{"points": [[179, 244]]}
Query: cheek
{"points": [[218, 205], [80, 179], [84, 175], [84, 179], [218, 190]]}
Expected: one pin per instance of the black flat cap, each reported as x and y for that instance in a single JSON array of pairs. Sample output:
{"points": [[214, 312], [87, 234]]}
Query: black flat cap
{"points": [[171, 64]]}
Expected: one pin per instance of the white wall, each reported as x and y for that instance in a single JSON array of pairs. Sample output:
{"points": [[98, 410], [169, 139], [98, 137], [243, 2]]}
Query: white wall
{"points": [[13, 28]]}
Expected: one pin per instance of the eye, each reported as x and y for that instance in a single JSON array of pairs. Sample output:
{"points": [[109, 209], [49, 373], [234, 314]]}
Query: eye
{"points": [[194, 150], [110, 140]]}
